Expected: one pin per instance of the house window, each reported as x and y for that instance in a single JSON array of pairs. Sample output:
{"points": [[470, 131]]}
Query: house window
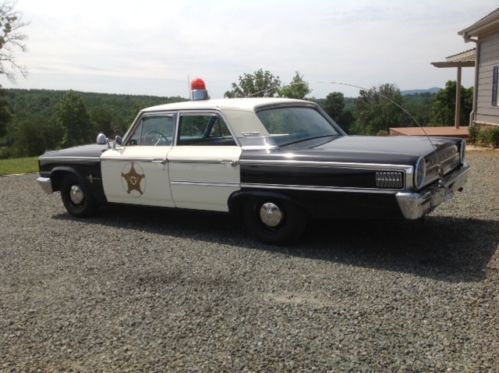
{"points": [[495, 85]]}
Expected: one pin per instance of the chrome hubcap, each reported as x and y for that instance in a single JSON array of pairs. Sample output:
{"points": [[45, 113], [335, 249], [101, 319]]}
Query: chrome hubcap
{"points": [[76, 194], [270, 214]]}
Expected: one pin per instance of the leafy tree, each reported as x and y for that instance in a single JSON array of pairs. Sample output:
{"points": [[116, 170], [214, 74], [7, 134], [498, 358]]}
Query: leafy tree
{"points": [[298, 88], [376, 111], [444, 105], [105, 121], [259, 84], [5, 113], [36, 135], [73, 117], [334, 105], [11, 39]]}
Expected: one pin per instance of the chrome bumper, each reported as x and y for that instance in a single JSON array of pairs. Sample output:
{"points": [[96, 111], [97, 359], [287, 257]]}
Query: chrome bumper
{"points": [[45, 183], [416, 205]]}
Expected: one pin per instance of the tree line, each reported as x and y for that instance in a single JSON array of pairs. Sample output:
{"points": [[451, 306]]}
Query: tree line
{"points": [[33, 121]]}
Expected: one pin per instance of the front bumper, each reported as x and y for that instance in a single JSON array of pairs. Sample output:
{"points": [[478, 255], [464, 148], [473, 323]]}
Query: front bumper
{"points": [[45, 183], [416, 205]]}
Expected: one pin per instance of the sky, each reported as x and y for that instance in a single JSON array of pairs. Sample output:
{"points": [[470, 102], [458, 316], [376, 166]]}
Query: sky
{"points": [[152, 47]]}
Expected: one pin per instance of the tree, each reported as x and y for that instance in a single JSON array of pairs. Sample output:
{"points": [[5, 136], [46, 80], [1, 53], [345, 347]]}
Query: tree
{"points": [[5, 113], [334, 105], [377, 110], [11, 39], [259, 84], [73, 117], [298, 88], [35, 135], [444, 104]]}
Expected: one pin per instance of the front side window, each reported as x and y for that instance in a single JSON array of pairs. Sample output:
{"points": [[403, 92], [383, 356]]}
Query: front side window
{"points": [[154, 131], [203, 129], [287, 125]]}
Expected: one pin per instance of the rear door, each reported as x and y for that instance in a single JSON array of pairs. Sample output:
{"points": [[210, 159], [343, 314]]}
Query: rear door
{"points": [[204, 163]]}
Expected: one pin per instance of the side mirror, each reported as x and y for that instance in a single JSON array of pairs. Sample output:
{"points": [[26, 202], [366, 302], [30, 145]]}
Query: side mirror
{"points": [[101, 139], [117, 141]]}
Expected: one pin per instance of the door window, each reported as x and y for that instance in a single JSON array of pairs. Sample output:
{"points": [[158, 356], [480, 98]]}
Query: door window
{"points": [[154, 131], [204, 129]]}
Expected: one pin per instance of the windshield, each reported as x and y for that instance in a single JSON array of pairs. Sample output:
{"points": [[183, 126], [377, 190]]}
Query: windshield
{"points": [[287, 125]]}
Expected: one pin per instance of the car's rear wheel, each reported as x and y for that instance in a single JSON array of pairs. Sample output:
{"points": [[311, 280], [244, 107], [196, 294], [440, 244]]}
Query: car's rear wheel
{"points": [[274, 221], [76, 198]]}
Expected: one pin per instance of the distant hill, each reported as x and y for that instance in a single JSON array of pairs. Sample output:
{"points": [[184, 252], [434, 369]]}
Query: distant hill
{"points": [[431, 90]]}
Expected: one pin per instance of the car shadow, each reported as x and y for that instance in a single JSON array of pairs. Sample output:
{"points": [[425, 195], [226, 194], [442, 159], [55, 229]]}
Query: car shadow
{"points": [[444, 248]]}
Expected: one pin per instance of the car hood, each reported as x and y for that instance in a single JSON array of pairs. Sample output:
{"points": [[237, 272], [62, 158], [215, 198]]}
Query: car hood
{"points": [[83, 151], [404, 150]]}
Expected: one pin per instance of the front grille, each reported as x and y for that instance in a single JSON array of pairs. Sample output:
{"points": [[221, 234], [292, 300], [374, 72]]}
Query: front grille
{"points": [[390, 179], [441, 163]]}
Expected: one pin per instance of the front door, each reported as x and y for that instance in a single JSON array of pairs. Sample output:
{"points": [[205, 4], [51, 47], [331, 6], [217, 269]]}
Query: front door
{"points": [[204, 164], [137, 172]]}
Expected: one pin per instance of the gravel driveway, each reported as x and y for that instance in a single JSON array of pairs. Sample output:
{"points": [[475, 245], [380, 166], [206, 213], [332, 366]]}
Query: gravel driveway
{"points": [[156, 290]]}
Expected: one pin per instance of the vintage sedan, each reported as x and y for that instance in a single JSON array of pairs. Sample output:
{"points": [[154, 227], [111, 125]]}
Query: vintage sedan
{"points": [[275, 162]]}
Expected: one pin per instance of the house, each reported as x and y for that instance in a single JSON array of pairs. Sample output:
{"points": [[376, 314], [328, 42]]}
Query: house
{"points": [[485, 34]]}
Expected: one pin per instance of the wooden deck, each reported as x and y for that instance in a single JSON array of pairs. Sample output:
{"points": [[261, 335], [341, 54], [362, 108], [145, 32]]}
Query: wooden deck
{"points": [[461, 132]]}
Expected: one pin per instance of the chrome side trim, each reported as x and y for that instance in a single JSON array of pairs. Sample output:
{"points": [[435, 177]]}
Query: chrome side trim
{"points": [[320, 188], [328, 164], [224, 185], [205, 161], [45, 183], [130, 159], [71, 158]]}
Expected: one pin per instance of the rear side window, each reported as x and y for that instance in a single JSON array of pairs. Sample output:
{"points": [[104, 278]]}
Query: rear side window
{"points": [[203, 129]]}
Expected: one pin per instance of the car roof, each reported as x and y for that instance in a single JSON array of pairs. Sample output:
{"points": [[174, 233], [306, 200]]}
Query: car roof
{"points": [[244, 104]]}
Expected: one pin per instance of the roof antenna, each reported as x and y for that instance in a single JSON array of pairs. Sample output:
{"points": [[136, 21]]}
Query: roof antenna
{"points": [[393, 102]]}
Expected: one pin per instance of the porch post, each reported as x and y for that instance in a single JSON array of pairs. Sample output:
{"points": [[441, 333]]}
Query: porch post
{"points": [[457, 116]]}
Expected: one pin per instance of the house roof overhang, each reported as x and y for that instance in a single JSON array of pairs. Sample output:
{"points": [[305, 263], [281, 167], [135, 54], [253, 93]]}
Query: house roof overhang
{"points": [[462, 59], [484, 25]]}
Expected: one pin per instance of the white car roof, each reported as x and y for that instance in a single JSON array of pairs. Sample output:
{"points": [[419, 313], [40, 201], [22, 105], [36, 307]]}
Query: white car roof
{"points": [[244, 104]]}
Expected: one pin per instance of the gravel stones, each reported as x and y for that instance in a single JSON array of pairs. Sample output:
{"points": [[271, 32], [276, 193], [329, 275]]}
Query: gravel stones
{"points": [[154, 289]]}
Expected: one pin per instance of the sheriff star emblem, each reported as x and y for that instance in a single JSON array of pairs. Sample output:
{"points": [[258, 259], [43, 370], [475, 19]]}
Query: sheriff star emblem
{"points": [[133, 179]]}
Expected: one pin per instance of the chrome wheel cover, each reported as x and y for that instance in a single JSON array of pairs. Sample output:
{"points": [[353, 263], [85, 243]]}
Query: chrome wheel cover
{"points": [[270, 214], [76, 194]]}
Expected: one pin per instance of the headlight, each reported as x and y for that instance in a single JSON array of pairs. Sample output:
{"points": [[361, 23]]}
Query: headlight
{"points": [[462, 151], [420, 173]]}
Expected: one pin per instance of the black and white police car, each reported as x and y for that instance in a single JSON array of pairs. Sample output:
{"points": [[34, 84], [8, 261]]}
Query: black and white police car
{"points": [[276, 162]]}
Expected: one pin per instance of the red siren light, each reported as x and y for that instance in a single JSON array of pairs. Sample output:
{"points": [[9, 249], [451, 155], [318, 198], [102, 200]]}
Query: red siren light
{"points": [[198, 83], [198, 90]]}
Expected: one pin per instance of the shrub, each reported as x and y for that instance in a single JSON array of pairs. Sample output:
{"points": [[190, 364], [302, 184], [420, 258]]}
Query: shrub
{"points": [[474, 132], [489, 137]]}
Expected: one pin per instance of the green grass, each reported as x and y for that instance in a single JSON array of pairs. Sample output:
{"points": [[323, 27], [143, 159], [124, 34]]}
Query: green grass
{"points": [[18, 165]]}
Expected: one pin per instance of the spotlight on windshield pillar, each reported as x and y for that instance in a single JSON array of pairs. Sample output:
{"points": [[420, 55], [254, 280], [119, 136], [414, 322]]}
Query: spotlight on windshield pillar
{"points": [[198, 90]]}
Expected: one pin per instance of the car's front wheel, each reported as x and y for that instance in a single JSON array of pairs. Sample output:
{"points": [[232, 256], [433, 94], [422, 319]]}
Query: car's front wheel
{"points": [[274, 221], [76, 198]]}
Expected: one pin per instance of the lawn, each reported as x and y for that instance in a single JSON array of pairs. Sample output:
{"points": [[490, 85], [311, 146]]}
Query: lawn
{"points": [[18, 165]]}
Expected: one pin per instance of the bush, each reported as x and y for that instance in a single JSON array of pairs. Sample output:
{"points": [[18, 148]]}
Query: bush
{"points": [[488, 137], [474, 132]]}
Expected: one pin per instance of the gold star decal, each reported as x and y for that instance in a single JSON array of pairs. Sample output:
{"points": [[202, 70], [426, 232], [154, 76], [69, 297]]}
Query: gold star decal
{"points": [[133, 179]]}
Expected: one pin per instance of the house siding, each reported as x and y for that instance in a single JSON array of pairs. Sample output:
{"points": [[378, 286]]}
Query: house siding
{"points": [[486, 113]]}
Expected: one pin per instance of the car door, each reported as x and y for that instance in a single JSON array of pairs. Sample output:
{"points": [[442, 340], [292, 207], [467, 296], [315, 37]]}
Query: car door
{"points": [[137, 172], [204, 163]]}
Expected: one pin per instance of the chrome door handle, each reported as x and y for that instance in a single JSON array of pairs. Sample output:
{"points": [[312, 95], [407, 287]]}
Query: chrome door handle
{"points": [[228, 161], [161, 161]]}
